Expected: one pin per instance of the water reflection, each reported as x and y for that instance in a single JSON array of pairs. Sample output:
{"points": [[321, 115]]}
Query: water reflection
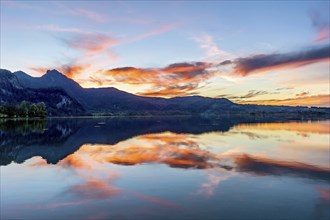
{"points": [[151, 168]]}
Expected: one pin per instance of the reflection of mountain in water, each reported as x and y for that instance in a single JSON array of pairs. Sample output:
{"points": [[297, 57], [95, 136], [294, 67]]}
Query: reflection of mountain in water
{"points": [[55, 139]]}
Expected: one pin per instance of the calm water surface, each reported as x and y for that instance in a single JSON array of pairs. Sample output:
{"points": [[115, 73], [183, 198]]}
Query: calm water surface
{"points": [[164, 168]]}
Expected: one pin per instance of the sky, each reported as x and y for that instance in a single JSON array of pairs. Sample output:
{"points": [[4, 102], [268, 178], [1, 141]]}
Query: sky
{"points": [[258, 52]]}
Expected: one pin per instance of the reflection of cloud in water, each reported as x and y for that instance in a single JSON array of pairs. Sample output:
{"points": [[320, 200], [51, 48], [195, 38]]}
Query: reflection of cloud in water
{"points": [[214, 178], [75, 161], [320, 127], [265, 166], [56, 205], [94, 189], [324, 192], [175, 150], [156, 200], [183, 151]]}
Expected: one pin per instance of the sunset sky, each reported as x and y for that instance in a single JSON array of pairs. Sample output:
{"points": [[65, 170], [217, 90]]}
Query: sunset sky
{"points": [[248, 51]]}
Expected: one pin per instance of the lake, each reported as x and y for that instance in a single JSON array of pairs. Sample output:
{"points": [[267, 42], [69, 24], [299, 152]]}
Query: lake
{"points": [[165, 168]]}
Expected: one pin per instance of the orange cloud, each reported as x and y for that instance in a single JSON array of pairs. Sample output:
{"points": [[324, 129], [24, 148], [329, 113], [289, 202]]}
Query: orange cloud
{"points": [[180, 78], [92, 43], [70, 70], [74, 161], [186, 68], [171, 149], [315, 100], [132, 75], [177, 157], [73, 69], [180, 151], [40, 70], [171, 91]]}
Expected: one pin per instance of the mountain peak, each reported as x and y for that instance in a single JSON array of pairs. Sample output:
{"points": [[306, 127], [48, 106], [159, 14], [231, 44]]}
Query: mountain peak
{"points": [[54, 72], [21, 74]]}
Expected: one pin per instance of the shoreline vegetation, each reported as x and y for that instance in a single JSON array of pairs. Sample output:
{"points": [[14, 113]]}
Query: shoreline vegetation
{"points": [[24, 110], [37, 114], [31, 110]]}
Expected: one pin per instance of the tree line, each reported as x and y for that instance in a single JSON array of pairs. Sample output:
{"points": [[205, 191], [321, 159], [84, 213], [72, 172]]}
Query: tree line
{"points": [[24, 109]]}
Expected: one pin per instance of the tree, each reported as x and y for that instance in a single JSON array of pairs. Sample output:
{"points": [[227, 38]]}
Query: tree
{"points": [[41, 109], [33, 111], [23, 109]]}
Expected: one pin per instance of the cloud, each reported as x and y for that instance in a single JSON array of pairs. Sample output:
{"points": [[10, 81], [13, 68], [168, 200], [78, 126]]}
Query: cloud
{"points": [[21, 5], [157, 200], [174, 150], [57, 28], [226, 62], [90, 47], [171, 91], [74, 161], [70, 69], [321, 100], [212, 51], [91, 43], [248, 95], [306, 127], [321, 25], [180, 78], [253, 93], [302, 94], [265, 166], [283, 88], [94, 189], [94, 49], [183, 151], [80, 12], [265, 62], [219, 175], [156, 31], [324, 192]]}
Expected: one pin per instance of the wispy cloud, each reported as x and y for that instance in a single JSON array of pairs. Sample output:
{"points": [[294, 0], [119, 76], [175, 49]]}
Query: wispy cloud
{"points": [[302, 94], [94, 189], [284, 88], [212, 51], [321, 24], [312, 100], [248, 95], [163, 28], [21, 5], [57, 28], [80, 12], [89, 46], [91, 43]]}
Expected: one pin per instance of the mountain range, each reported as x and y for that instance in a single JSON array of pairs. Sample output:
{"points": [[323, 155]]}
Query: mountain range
{"points": [[64, 96]]}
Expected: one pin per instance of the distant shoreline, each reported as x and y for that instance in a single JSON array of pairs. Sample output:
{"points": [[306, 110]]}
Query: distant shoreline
{"points": [[321, 115]]}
